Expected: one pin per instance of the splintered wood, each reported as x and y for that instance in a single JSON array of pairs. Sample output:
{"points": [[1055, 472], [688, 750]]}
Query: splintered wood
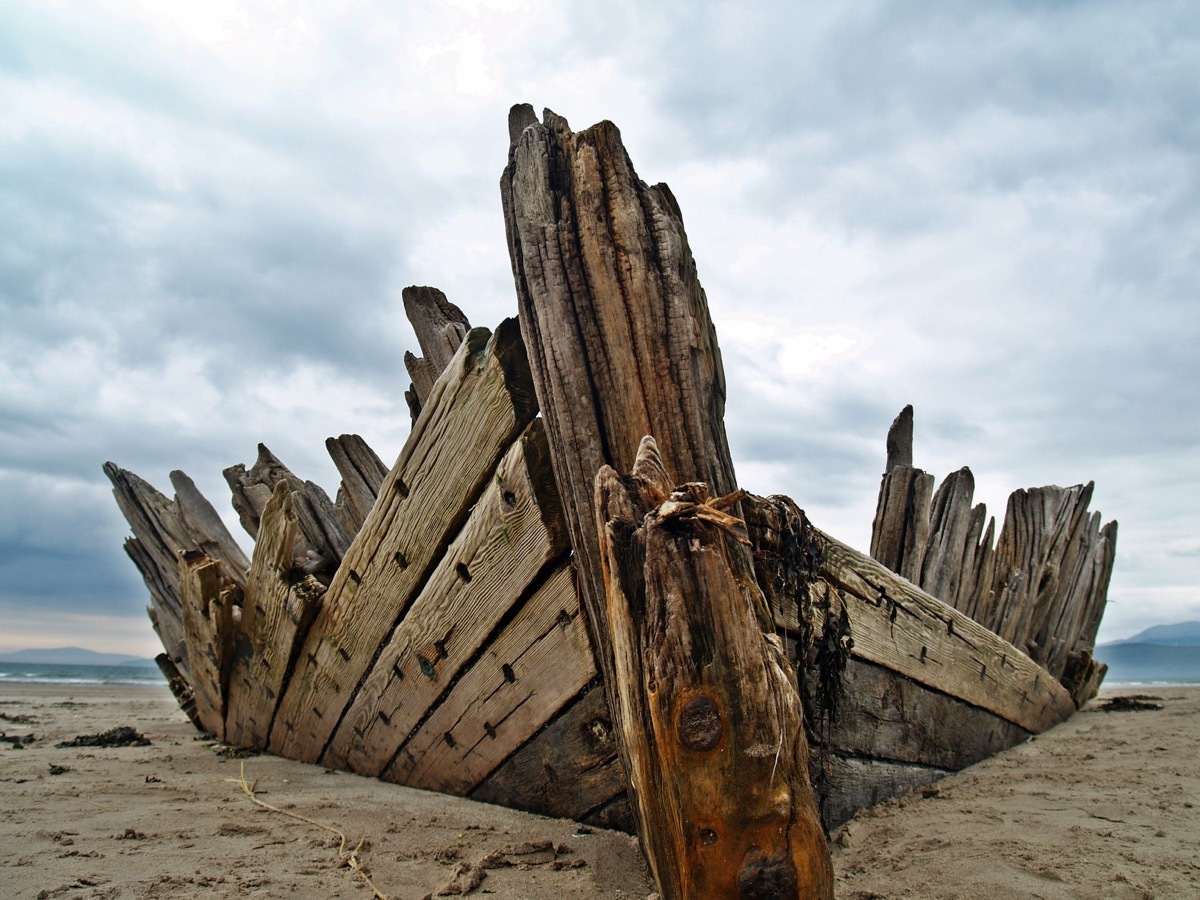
{"points": [[713, 728], [1042, 586]]}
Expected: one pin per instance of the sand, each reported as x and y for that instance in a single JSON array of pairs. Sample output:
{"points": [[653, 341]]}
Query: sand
{"points": [[1103, 806]]}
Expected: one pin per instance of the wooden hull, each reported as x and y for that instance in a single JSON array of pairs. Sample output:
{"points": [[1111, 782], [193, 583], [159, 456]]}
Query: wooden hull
{"points": [[438, 624]]}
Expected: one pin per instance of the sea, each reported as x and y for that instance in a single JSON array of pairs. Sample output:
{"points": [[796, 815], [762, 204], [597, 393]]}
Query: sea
{"points": [[68, 674]]}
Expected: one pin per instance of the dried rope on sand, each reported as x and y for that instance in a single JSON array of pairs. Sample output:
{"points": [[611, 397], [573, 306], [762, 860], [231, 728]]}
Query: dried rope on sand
{"points": [[350, 859]]}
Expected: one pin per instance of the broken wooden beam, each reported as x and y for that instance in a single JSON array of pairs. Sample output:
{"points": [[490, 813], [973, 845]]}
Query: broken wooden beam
{"points": [[713, 741]]}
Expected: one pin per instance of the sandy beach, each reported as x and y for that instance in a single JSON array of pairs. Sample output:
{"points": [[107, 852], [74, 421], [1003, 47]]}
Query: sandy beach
{"points": [[1103, 806]]}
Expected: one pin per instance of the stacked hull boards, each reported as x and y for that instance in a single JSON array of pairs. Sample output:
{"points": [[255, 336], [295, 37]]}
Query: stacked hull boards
{"points": [[430, 625]]}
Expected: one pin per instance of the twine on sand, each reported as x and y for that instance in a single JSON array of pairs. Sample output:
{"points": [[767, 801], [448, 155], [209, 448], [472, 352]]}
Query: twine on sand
{"points": [[349, 860]]}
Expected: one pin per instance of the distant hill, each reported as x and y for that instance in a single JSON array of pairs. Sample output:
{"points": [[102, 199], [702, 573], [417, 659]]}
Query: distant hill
{"points": [[1180, 634], [72, 656]]}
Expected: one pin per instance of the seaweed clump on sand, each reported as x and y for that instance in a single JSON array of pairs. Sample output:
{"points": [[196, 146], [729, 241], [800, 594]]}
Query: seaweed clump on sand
{"points": [[1131, 703], [121, 736]]}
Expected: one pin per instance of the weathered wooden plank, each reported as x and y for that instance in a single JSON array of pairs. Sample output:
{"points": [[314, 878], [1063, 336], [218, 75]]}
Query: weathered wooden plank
{"points": [[900, 531], [163, 529], [362, 473], [849, 784], [540, 661], [278, 606], [320, 533], [208, 630], [206, 529], [569, 770], [514, 531], [616, 322], [481, 403], [950, 551], [885, 716], [898, 626], [712, 728], [179, 687], [440, 327]]}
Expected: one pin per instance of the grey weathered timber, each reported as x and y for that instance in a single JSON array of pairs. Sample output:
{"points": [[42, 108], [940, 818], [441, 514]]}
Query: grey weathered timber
{"points": [[207, 625], [851, 783], [900, 532], [440, 327], [896, 624], [477, 408], [320, 532], [514, 532], [162, 530], [616, 322], [362, 473], [1041, 586], [279, 603], [712, 725]]}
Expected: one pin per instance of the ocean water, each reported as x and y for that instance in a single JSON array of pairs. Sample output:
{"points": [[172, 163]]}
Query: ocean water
{"points": [[66, 674]]}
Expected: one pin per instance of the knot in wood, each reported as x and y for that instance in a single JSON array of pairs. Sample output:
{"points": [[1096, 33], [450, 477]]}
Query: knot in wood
{"points": [[700, 726], [766, 876]]}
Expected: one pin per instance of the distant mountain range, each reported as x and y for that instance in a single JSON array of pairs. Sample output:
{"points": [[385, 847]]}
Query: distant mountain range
{"points": [[1181, 634], [72, 656], [1160, 653]]}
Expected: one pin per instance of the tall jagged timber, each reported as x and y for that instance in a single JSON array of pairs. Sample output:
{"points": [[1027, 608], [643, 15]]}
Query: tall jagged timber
{"points": [[622, 347]]}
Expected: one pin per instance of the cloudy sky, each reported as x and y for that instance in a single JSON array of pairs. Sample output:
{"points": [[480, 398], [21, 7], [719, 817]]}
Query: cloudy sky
{"points": [[208, 212]]}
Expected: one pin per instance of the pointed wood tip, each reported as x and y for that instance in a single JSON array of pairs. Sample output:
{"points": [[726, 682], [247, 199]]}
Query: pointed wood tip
{"points": [[900, 440], [520, 117]]}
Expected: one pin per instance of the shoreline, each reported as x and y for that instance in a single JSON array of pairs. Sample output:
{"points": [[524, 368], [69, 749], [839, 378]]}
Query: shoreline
{"points": [[1098, 806]]}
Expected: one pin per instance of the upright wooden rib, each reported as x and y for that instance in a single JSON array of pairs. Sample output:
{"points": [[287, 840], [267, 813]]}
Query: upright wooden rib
{"points": [[475, 412]]}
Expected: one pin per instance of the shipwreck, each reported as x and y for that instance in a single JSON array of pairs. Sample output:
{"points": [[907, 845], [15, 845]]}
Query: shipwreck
{"points": [[557, 598]]}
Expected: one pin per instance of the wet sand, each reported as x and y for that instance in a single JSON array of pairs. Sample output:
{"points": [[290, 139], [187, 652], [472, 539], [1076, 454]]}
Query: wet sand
{"points": [[1105, 805]]}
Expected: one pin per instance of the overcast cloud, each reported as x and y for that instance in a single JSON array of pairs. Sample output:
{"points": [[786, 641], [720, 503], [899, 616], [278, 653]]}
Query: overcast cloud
{"points": [[208, 212]]}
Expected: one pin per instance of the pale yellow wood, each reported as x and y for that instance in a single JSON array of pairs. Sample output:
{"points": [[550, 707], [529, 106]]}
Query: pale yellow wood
{"points": [[476, 409], [499, 552], [538, 663]]}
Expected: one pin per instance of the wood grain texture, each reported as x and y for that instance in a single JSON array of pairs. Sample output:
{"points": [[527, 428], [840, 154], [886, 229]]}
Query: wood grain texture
{"points": [[278, 606], [617, 325], [570, 769], [712, 726], [362, 473], [208, 629], [850, 784], [480, 404], [897, 625], [514, 531], [539, 662], [163, 529], [320, 529]]}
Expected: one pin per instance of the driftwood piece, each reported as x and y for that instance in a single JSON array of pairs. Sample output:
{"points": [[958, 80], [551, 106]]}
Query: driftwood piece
{"points": [[1043, 584], [616, 322], [362, 473], [440, 327], [481, 403], [712, 724], [320, 533], [208, 628], [278, 606], [514, 536]]}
